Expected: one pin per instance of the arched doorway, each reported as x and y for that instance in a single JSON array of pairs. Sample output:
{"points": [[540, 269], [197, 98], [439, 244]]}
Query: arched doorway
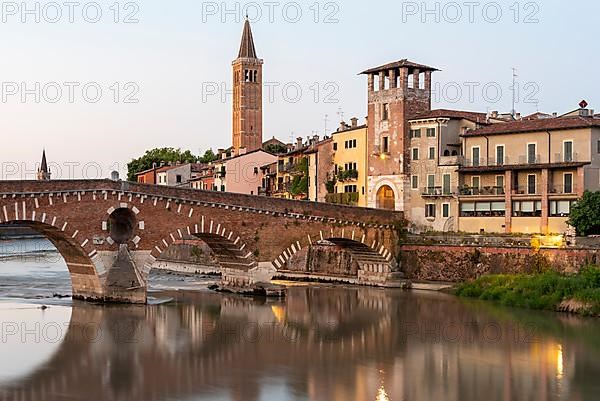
{"points": [[386, 198]]}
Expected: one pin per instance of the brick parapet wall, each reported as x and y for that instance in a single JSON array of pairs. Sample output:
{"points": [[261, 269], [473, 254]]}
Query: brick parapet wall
{"points": [[349, 213]]}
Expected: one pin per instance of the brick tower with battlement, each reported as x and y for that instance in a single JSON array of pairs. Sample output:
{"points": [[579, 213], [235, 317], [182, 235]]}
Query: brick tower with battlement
{"points": [[396, 92]]}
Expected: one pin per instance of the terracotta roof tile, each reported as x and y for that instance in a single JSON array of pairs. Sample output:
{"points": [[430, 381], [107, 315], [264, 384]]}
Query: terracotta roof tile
{"points": [[454, 114]]}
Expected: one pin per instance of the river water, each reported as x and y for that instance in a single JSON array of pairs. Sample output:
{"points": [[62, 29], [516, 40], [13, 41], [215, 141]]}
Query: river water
{"points": [[321, 343]]}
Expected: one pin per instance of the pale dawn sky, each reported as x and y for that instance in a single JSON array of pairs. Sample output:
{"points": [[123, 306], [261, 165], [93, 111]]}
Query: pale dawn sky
{"points": [[173, 59]]}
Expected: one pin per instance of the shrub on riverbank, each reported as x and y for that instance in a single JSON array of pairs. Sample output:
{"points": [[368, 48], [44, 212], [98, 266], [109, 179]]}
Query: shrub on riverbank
{"points": [[548, 290]]}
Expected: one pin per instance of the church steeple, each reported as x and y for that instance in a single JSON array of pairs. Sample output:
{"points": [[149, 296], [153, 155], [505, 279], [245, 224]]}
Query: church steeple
{"points": [[247, 49], [43, 172], [247, 96]]}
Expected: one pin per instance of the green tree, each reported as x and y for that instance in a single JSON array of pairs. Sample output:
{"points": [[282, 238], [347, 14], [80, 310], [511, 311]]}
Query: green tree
{"points": [[158, 156], [276, 148], [209, 156], [585, 214]]}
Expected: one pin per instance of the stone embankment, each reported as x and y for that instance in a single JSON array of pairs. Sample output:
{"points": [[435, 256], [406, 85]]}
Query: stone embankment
{"points": [[461, 258]]}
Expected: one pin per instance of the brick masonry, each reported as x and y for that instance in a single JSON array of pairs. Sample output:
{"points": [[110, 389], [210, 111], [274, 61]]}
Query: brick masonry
{"points": [[251, 231], [462, 263]]}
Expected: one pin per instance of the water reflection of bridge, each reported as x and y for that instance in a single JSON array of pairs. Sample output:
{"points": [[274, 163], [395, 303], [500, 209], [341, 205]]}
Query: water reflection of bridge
{"points": [[323, 344]]}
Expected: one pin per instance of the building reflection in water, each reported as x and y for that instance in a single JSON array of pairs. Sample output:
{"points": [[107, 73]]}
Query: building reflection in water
{"points": [[321, 344]]}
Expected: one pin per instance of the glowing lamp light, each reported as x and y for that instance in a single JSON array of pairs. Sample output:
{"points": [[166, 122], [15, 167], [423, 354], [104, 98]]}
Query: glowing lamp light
{"points": [[548, 241]]}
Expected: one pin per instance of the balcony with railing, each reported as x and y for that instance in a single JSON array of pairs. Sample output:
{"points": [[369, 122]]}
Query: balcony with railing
{"points": [[285, 167], [482, 191], [347, 175], [562, 190], [437, 192], [530, 159], [557, 160], [528, 190], [567, 157], [283, 188]]}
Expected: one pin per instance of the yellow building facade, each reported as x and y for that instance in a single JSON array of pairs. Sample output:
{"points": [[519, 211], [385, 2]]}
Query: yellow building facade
{"points": [[348, 178]]}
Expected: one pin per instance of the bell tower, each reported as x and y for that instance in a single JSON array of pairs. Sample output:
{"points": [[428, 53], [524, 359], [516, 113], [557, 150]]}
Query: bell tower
{"points": [[247, 96]]}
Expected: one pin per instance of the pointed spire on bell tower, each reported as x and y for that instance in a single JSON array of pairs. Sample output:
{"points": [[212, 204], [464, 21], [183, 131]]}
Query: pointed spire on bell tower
{"points": [[44, 166], [247, 49], [43, 172]]}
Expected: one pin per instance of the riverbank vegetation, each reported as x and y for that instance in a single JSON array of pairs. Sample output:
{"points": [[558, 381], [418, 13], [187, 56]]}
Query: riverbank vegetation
{"points": [[577, 293]]}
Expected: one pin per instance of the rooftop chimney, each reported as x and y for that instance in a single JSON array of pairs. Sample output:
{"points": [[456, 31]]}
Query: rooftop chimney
{"points": [[354, 122], [299, 142], [342, 126], [494, 114]]}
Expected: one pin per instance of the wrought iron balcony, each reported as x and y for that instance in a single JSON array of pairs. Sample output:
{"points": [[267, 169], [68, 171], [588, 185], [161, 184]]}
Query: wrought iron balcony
{"points": [[526, 190], [571, 157], [482, 191], [562, 190], [437, 192], [347, 175]]}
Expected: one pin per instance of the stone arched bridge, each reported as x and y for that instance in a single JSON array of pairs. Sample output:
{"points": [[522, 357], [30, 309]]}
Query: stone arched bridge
{"points": [[111, 232]]}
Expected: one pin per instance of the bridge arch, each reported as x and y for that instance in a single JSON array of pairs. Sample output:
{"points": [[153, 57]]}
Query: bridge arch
{"points": [[84, 265], [369, 253], [229, 250]]}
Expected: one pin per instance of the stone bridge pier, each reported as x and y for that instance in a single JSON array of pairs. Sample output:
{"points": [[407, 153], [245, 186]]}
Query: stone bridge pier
{"points": [[110, 233]]}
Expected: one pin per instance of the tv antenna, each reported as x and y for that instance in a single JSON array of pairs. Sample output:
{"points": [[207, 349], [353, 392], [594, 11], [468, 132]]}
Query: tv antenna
{"points": [[340, 114], [326, 120], [514, 92]]}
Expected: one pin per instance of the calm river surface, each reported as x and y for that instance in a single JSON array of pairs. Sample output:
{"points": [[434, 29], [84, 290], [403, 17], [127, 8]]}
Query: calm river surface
{"points": [[321, 343]]}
